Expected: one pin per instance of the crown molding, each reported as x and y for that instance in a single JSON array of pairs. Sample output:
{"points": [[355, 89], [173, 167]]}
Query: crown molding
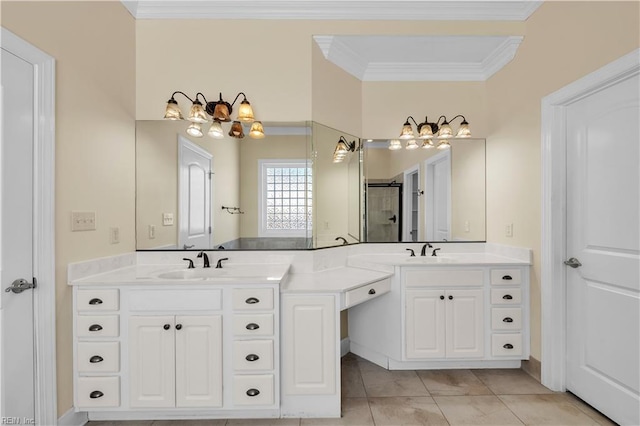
{"points": [[342, 55], [501, 56], [402, 10]]}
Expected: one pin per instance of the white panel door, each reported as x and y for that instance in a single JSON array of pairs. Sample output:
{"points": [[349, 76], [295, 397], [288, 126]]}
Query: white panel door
{"points": [[18, 352], [309, 349], [199, 361], [194, 182], [152, 361], [424, 323], [603, 186], [464, 323]]}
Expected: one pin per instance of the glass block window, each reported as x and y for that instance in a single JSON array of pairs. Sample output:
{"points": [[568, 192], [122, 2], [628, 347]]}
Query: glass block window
{"points": [[285, 198]]}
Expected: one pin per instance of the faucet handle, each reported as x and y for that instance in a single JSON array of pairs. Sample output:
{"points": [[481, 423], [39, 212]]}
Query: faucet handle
{"points": [[435, 251], [190, 263], [413, 254], [219, 264]]}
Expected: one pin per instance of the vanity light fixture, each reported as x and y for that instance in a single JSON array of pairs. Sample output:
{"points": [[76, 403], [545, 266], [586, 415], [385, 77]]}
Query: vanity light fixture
{"points": [[394, 145], [215, 112], [427, 131], [342, 149]]}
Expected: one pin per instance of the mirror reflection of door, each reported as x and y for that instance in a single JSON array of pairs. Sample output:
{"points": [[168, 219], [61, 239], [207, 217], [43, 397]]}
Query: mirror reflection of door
{"points": [[412, 192], [438, 197], [384, 204], [194, 196]]}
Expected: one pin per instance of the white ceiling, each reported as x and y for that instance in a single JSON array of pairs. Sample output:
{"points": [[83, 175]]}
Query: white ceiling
{"points": [[375, 57]]}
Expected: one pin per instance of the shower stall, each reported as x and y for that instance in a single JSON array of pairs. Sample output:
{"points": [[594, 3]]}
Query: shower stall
{"points": [[384, 212]]}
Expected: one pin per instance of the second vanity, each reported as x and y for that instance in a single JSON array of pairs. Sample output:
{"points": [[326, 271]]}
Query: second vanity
{"points": [[153, 340]]}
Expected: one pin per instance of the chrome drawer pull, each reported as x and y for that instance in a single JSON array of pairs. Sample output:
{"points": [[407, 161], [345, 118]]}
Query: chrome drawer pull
{"points": [[507, 319], [253, 392], [96, 394], [95, 301], [252, 326], [252, 301], [372, 291], [252, 357], [95, 327], [507, 297], [508, 346], [96, 358], [507, 278]]}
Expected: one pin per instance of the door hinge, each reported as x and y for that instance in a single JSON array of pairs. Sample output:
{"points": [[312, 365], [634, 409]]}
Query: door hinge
{"points": [[210, 174], [209, 229]]}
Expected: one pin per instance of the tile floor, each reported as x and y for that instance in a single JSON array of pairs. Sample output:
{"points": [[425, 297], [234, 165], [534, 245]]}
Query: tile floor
{"points": [[373, 396]]}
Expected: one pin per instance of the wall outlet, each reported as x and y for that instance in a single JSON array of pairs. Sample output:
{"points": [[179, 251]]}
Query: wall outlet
{"points": [[167, 219], [83, 221], [508, 230], [152, 232], [467, 227], [114, 235]]}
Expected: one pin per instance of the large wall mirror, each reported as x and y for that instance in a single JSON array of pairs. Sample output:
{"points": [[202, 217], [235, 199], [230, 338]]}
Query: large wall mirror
{"points": [[425, 194], [281, 192]]}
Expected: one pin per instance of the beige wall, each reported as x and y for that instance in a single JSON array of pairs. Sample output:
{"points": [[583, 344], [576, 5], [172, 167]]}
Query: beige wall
{"points": [[157, 182], [563, 42], [94, 47]]}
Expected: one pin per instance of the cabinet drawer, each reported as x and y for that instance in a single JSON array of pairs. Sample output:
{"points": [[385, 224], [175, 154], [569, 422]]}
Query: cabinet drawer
{"points": [[253, 325], [97, 326], [252, 298], [506, 318], [506, 276], [98, 392], [506, 344], [253, 390], [175, 300], [444, 278], [89, 300], [253, 355], [98, 357], [369, 291], [506, 296]]}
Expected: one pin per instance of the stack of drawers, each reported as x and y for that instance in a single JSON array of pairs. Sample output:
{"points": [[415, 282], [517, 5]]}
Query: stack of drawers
{"points": [[98, 348], [506, 313], [254, 346]]}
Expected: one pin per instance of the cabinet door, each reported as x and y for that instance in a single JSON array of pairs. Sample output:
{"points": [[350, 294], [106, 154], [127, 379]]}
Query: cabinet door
{"points": [[151, 361], [464, 324], [199, 361], [309, 345], [424, 323]]}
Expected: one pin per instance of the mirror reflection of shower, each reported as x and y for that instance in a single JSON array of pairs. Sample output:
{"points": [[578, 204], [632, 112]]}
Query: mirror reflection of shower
{"points": [[384, 207]]}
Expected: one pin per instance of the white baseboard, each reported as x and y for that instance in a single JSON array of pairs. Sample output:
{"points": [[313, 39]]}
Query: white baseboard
{"points": [[71, 418], [345, 346]]}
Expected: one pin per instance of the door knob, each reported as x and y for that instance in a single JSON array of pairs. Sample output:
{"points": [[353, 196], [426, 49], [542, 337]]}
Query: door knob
{"points": [[573, 262], [20, 285]]}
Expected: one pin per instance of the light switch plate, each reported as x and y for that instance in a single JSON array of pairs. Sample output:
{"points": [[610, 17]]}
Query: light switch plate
{"points": [[508, 230], [167, 219], [83, 221], [152, 232], [114, 235]]}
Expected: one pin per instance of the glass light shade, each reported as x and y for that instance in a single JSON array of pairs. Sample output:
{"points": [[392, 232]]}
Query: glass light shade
{"points": [[412, 144], [221, 112], [195, 130], [341, 149], [395, 145], [197, 113], [236, 130], [407, 131], [215, 131], [463, 131], [425, 131], [427, 143], [257, 131], [337, 158], [245, 112], [444, 144], [173, 111], [445, 131]]}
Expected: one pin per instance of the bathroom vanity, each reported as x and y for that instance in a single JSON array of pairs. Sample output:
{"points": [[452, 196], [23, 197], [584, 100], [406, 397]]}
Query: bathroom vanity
{"points": [[262, 340]]}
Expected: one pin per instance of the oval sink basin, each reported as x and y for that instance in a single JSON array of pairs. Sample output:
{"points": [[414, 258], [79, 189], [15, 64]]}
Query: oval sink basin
{"points": [[266, 272]]}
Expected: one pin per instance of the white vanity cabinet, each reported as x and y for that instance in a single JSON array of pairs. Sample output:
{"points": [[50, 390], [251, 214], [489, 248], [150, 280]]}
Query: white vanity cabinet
{"points": [[177, 350]]}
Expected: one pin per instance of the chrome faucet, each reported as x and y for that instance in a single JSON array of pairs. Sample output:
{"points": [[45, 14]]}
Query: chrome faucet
{"points": [[423, 252], [434, 252], [219, 264], [206, 259], [344, 241]]}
